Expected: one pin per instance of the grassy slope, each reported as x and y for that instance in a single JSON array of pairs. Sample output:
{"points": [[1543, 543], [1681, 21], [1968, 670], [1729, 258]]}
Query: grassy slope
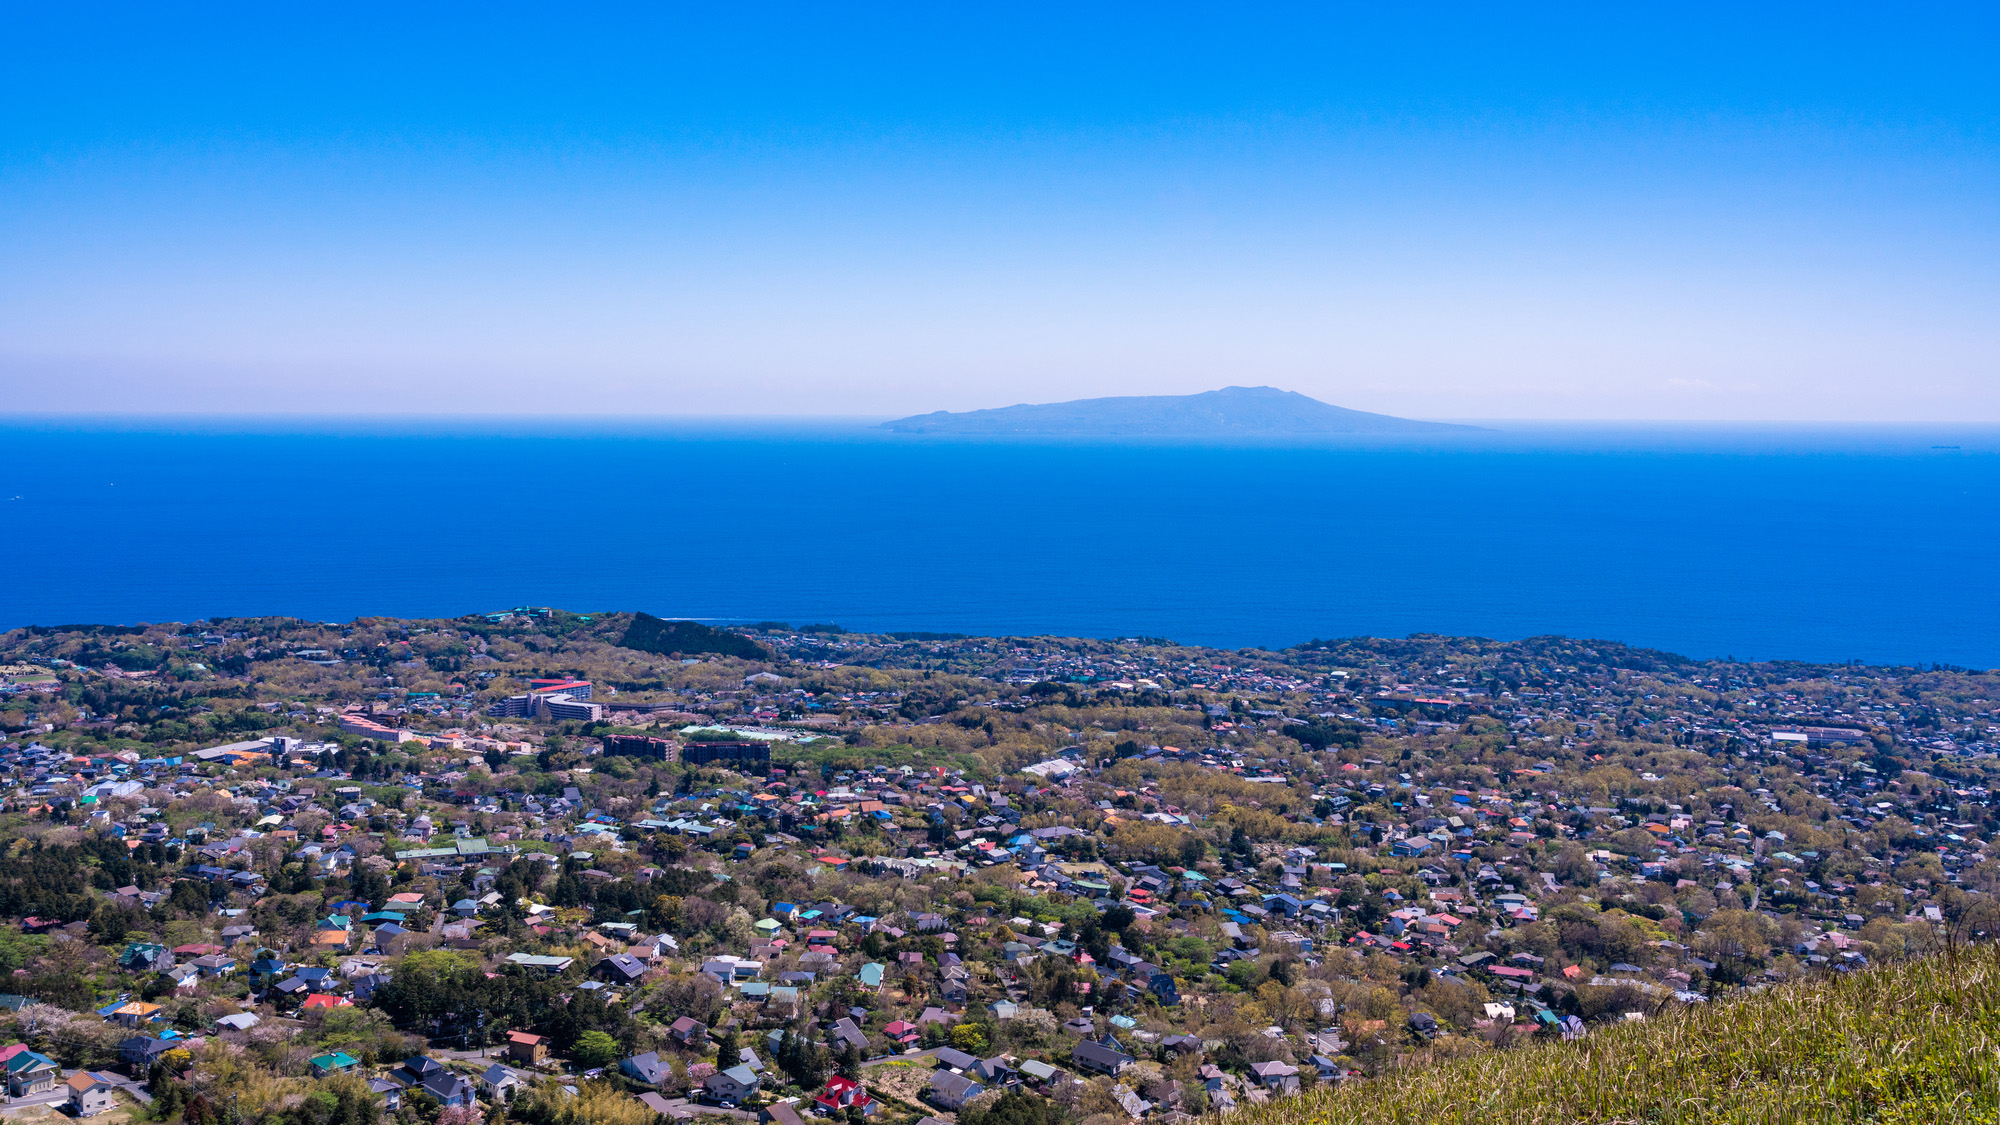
{"points": [[1908, 1043]]}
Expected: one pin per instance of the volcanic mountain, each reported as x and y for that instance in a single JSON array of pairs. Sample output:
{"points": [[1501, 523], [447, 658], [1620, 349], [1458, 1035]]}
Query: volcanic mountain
{"points": [[1229, 412]]}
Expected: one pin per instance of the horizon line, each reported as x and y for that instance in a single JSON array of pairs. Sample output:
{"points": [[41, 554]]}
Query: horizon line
{"points": [[641, 417]]}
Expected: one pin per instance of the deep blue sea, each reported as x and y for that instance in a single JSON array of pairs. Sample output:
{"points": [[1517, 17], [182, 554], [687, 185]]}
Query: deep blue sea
{"points": [[1819, 544]]}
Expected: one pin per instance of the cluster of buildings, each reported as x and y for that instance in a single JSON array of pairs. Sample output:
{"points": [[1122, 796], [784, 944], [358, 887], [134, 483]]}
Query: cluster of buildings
{"points": [[1551, 832]]}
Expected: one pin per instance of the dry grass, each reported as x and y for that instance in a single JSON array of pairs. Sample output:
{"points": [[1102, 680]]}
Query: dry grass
{"points": [[905, 1080], [1899, 1045]]}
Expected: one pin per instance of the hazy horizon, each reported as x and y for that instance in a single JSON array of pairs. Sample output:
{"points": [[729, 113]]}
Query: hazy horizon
{"points": [[1789, 215], [226, 421]]}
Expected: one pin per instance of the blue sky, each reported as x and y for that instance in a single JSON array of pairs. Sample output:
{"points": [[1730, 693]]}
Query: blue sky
{"points": [[1658, 212]]}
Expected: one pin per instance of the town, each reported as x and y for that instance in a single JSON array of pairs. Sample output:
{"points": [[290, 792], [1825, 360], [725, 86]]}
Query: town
{"points": [[610, 868]]}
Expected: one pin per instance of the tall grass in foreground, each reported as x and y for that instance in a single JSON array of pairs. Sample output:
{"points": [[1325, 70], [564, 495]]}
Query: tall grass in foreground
{"points": [[1907, 1043]]}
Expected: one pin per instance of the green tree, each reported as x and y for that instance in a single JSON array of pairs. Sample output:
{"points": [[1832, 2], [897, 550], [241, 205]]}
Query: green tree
{"points": [[595, 1049], [1015, 1107]]}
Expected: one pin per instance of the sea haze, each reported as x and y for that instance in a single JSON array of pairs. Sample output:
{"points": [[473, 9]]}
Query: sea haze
{"points": [[1817, 544]]}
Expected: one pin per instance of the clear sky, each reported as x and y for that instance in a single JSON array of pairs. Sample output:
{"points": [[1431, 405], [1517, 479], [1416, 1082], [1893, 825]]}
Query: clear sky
{"points": [[1595, 211]]}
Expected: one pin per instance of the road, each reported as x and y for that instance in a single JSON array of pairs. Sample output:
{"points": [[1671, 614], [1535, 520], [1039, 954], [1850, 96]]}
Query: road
{"points": [[131, 1086], [680, 1107]]}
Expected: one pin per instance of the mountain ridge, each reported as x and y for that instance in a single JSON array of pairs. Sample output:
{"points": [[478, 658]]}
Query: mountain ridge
{"points": [[1227, 412]]}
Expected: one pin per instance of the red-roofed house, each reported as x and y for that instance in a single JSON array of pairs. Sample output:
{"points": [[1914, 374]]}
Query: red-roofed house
{"points": [[843, 1094]]}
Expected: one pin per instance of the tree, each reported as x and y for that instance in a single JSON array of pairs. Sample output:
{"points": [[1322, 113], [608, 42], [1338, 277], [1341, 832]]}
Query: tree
{"points": [[595, 1049], [1193, 849], [341, 1100], [430, 988], [1015, 1107], [848, 1061], [802, 1059]]}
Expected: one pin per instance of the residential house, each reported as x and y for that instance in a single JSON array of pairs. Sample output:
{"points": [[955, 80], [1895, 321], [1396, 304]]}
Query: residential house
{"points": [[267, 968], [133, 1014], [499, 1083], [844, 1095], [779, 1113], [689, 1031], [619, 968], [994, 1073], [846, 1033], [951, 1058], [215, 964], [146, 957], [1041, 1074], [140, 1052], [365, 985], [90, 1094], [551, 966], [527, 1048], [448, 1088], [649, 1068], [1278, 1077], [415, 1069], [730, 1087], [1106, 1057], [339, 1062], [29, 1072], [951, 1091]]}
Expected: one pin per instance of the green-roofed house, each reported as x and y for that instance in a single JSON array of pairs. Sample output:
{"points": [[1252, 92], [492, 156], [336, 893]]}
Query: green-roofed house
{"points": [[31, 1072], [339, 1062]]}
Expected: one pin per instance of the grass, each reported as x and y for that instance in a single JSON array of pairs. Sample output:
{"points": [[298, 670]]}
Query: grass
{"points": [[1897, 1045]]}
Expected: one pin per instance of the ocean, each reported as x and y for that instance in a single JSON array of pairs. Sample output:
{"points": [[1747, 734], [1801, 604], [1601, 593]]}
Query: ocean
{"points": [[1824, 544]]}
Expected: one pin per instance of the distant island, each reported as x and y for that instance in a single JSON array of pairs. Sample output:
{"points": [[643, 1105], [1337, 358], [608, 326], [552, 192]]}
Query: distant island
{"points": [[1229, 412]]}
